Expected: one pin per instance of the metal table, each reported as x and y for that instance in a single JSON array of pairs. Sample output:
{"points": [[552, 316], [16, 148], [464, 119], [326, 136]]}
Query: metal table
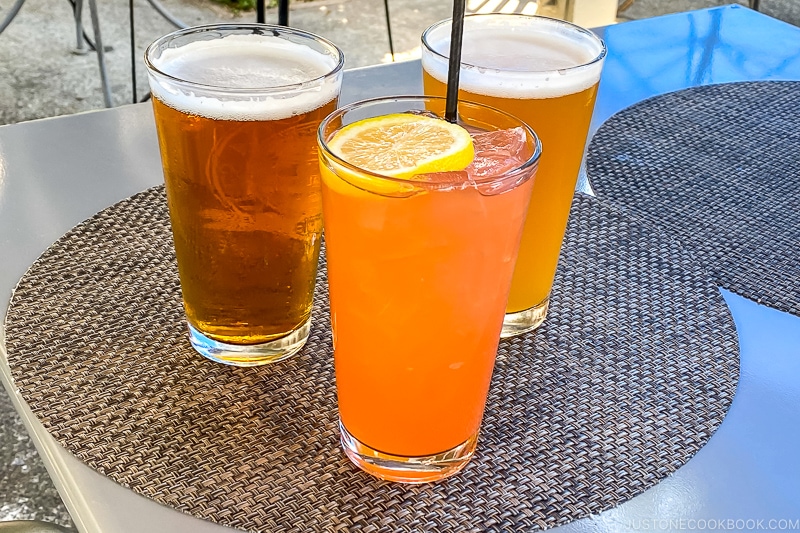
{"points": [[52, 179]]}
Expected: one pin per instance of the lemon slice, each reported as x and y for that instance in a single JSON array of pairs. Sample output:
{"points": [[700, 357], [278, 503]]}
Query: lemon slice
{"points": [[401, 146]]}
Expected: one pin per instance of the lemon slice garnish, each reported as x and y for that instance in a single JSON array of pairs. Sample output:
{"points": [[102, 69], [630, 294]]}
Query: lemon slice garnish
{"points": [[401, 146]]}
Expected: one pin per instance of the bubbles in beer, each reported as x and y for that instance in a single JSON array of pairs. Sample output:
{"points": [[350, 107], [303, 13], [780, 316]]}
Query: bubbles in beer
{"points": [[216, 71]]}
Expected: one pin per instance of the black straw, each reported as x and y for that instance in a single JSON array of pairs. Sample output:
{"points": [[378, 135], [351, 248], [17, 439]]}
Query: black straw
{"points": [[389, 27], [453, 69]]}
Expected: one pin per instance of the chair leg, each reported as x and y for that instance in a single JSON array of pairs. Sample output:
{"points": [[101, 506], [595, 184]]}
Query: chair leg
{"points": [[133, 50], [80, 32], [11, 14], [101, 55], [80, 45], [169, 17], [260, 11], [283, 12], [754, 4]]}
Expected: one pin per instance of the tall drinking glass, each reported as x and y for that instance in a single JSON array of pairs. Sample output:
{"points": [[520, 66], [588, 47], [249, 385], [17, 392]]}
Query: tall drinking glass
{"points": [[419, 272], [237, 108], [546, 72]]}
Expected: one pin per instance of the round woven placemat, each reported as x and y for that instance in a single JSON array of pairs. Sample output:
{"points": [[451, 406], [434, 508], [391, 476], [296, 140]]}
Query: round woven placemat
{"points": [[718, 168], [631, 375]]}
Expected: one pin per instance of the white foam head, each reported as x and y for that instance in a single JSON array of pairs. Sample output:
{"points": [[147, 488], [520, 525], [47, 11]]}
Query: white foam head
{"points": [[245, 77], [517, 56]]}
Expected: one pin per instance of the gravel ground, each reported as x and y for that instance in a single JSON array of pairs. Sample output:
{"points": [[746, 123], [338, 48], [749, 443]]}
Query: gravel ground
{"points": [[40, 77]]}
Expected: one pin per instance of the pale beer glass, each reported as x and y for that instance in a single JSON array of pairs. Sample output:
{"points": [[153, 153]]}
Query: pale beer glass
{"points": [[545, 72], [236, 108]]}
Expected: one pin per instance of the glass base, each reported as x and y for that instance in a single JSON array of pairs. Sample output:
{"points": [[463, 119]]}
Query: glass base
{"points": [[250, 354], [407, 469], [524, 321]]}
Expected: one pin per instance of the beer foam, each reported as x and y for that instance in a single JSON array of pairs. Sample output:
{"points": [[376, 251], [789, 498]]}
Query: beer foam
{"points": [[218, 71], [536, 60]]}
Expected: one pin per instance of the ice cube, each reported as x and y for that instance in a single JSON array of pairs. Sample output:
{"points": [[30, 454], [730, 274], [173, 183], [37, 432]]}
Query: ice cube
{"points": [[424, 113], [497, 152], [458, 179]]}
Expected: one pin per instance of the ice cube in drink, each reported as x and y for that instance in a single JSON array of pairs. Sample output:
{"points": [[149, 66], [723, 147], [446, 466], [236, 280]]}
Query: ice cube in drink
{"points": [[496, 152]]}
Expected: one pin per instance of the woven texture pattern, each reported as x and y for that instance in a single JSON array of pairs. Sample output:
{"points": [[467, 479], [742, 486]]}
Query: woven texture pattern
{"points": [[716, 167], [632, 373]]}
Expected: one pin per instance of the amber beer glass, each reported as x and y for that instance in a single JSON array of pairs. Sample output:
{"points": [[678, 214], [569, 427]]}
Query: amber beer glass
{"points": [[546, 72], [236, 109]]}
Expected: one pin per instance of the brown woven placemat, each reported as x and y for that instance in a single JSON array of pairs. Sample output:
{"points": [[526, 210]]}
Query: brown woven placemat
{"points": [[718, 168], [633, 372]]}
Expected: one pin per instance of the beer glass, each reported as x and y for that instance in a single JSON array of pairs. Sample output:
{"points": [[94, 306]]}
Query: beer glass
{"points": [[236, 109], [419, 271], [546, 72]]}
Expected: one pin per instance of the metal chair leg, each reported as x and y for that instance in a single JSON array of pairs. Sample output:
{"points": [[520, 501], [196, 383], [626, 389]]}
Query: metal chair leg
{"points": [[283, 12], [132, 25], [80, 32], [80, 42], [11, 14], [101, 55], [169, 17]]}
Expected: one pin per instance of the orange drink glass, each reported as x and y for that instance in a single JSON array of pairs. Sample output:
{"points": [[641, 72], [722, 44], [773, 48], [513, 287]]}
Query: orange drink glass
{"points": [[546, 72], [419, 270]]}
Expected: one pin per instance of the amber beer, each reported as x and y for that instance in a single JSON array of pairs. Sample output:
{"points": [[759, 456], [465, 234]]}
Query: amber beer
{"points": [[545, 72], [236, 110]]}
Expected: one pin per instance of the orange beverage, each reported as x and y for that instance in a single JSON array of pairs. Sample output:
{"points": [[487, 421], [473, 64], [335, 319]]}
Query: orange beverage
{"points": [[419, 272], [546, 72], [236, 109]]}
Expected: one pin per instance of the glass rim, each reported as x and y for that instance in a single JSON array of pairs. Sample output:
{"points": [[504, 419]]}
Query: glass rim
{"points": [[228, 26], [549, 20], [532, 160]]}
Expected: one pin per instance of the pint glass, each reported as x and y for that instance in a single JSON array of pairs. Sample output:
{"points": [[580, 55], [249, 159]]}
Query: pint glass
{"points": [[419, 271], [236, 109], [546, 72]]}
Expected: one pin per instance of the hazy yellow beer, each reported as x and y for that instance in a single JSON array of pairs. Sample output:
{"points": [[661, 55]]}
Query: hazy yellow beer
{"points": [[545, 72], [237, 109]]}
